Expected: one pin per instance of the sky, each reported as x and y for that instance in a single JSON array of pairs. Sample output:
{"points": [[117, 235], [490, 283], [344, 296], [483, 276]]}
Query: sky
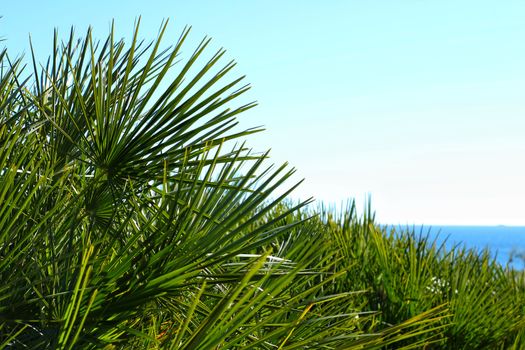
{"points": [[418, 105]]}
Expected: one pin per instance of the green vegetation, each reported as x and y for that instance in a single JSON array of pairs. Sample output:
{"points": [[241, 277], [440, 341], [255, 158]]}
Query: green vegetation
{"points": [[133, 217]]}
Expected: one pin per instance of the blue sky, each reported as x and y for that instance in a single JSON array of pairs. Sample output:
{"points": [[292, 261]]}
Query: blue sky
{"points": [[420, 104]]}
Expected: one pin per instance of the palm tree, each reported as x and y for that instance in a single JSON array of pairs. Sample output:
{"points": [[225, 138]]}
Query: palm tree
{"points": [[132, 215]]}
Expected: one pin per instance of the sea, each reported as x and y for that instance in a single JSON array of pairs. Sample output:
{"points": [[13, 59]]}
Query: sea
{"points": [[505, 243]]}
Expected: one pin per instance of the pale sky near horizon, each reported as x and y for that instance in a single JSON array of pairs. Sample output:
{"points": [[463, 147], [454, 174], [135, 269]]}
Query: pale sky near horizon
{"points": [[419, 104]]}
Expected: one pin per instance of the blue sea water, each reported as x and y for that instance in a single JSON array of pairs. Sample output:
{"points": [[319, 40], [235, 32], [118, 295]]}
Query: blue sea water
{"points": [[503, 242]]}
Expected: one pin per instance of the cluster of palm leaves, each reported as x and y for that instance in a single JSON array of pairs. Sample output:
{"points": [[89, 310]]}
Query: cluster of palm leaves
{"points": [[407, 273], [132, 216]]}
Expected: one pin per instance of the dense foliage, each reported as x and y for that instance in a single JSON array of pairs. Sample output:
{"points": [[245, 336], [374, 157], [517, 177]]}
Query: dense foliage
{"points": [[131, 218]]}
